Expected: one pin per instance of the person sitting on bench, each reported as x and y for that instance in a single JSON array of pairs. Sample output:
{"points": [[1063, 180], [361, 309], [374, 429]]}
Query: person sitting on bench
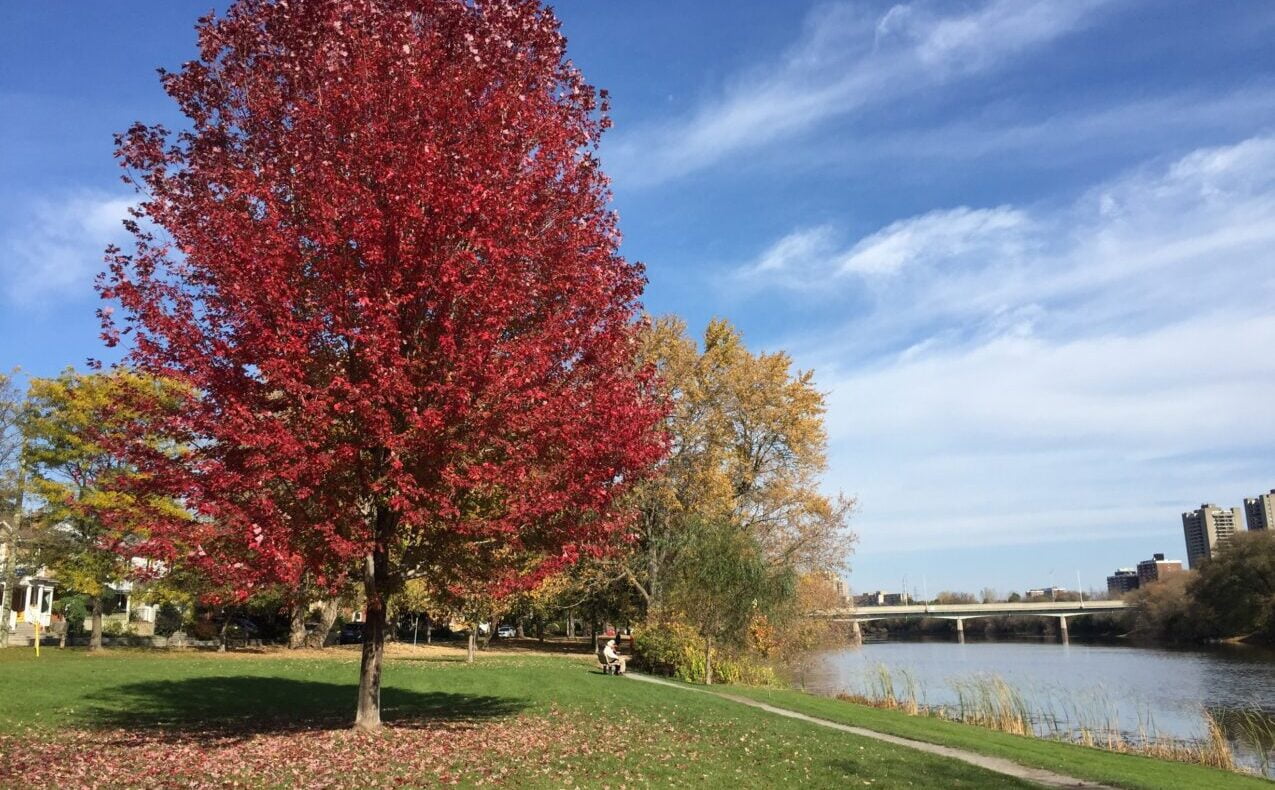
{"points": [[614, 660]]}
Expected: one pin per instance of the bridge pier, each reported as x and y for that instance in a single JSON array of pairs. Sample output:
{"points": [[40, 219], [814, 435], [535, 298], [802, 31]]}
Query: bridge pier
{"points": [[856, 633], [960, 630], [1062, 629]]}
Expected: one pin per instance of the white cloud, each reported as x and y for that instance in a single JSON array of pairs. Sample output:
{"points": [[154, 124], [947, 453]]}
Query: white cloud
{"points": [[845, 60], [54, 247], [1149, 233], [1057, 136], [1052, 373], [939, 236]]}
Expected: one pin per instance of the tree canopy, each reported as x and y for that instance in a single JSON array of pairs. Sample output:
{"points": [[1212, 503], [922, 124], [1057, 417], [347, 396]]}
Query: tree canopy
{"points": [[382, 256]]}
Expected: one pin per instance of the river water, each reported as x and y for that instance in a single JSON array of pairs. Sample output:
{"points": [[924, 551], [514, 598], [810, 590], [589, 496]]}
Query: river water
{"points": [[1139, 690]]}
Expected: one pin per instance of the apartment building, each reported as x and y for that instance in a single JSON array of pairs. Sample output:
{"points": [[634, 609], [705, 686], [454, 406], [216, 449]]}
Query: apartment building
{"points": [[1156, 569], [1207, 528], [1259, 511]]}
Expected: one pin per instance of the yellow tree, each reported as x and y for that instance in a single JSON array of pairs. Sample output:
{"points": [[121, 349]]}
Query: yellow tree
{"points": [[747, 446], [87, 519]]}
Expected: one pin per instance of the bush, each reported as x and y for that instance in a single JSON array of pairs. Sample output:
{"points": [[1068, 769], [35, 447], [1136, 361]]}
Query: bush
{"points": [[168, 619], [113, 628], [673, 647]]}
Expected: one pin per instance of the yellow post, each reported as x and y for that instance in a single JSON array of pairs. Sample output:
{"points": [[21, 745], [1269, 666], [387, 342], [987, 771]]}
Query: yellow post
{"points": [[37, 638]]}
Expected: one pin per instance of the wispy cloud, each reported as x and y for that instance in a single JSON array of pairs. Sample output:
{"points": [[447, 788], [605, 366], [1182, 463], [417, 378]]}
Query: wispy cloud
{"points": [[845, 60], [53, 246], [809, 258], [1007, 358]]}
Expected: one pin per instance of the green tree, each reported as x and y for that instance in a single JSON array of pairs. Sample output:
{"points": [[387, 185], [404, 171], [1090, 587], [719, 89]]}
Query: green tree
{"points": [[1235, 590], [86, 520], [722, 582]]}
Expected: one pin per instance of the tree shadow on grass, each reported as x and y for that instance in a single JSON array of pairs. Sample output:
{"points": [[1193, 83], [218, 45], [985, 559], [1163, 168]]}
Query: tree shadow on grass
{"points": [[229, 708]]}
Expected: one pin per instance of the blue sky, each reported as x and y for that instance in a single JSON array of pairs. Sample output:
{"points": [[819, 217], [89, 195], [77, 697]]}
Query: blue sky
{"points": [[1027, 247]]}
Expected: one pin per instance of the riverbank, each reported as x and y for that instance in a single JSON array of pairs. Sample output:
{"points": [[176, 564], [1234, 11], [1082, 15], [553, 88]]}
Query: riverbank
{"points": [[144, 718]]}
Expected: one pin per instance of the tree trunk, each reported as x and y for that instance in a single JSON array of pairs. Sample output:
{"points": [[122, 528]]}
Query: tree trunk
{"points": [[66, 626], [429, 630], [653, 580], [491, 631], [296, 631], [95, 633], [473, 638], [708, 662], [331, 608], [522, 633], [540, 630], [225, 629], [375, 570], [416, 627]]}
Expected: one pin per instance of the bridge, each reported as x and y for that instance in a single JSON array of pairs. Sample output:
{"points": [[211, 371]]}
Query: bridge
{"points": [[960, 612]]}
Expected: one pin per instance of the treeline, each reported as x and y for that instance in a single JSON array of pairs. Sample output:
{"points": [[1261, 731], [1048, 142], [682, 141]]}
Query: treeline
{"points": [[730, 541], [1230, 596]]}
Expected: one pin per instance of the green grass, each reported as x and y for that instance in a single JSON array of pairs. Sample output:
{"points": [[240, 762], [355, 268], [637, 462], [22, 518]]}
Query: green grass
{"points": [[521, 720], [581, 728], [1124, 770]]}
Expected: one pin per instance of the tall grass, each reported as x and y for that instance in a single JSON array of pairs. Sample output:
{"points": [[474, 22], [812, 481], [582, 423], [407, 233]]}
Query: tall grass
{"points": [[987, 700]]}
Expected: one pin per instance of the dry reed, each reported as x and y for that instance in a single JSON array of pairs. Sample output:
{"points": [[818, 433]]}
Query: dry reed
{"points": [[988, 701]]}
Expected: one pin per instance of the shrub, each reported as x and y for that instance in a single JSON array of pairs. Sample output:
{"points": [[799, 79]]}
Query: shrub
{"points": [[672, 646], [168, 619]]}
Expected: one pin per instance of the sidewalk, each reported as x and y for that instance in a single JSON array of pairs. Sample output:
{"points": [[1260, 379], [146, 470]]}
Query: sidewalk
{"points": [[1001, 766]]}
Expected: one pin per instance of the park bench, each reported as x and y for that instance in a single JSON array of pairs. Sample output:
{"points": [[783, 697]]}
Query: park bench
{"points": [[608, 667]]}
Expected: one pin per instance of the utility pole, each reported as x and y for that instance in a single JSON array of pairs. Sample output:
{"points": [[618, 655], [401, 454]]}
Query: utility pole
{"points": [[1080, 589]]}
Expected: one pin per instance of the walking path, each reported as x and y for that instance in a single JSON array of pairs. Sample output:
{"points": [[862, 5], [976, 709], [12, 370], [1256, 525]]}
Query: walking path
{"points": [[997, 764]]}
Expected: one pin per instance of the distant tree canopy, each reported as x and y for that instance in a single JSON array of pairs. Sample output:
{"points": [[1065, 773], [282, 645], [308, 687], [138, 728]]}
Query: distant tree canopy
{"points": [[1236, 589], [1230, 595]]}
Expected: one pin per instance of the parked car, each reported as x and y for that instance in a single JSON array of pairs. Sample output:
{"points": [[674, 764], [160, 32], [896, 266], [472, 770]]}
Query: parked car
{"points": [[506, 631], [351, 634]]}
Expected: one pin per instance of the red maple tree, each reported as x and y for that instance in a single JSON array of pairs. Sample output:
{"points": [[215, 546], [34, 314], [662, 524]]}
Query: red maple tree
{"points": [[383, 259]]}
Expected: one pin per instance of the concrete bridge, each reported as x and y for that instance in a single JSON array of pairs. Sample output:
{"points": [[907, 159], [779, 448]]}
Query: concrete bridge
{"points": [[960, 612]]}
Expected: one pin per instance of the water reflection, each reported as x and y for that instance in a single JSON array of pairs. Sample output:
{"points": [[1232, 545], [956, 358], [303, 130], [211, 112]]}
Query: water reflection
{"points": [[1136, 690]]}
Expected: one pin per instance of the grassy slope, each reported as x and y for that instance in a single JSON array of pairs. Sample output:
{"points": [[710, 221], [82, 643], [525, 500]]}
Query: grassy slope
{"points": [[1111, 768], [670, 738]]}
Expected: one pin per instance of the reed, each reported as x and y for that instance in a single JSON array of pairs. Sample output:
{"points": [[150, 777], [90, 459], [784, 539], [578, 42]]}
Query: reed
{"points": [[986, 700]]}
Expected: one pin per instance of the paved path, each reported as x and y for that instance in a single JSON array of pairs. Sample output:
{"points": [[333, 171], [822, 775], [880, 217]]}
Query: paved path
{"points": [[997, 764]]}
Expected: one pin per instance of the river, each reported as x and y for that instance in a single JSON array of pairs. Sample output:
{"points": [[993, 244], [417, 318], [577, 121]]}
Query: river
{"points": [[1140, 690]]}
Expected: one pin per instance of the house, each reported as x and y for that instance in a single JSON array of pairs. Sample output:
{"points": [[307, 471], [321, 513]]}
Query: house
{"points": [[31, 604], [30, 601]]}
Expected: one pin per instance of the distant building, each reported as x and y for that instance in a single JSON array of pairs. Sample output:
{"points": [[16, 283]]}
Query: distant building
{"points": [[870, 599], [1260, 511], [880, 598], [1045, 592], [1156, 568], [1208, 528], [1122, 581]]}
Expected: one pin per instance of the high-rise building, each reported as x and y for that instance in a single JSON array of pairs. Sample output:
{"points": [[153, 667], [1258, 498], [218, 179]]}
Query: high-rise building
{"points": [[1156, 568], [1260, 511], [1208, 528], [1121, 582]]}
